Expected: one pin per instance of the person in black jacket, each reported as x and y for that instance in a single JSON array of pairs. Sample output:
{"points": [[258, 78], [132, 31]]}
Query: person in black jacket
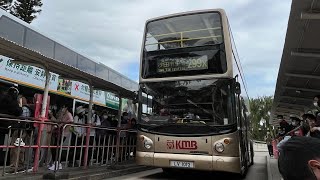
{"points": [[9, 105], [300, 159], [9, 102], [284, 125]]}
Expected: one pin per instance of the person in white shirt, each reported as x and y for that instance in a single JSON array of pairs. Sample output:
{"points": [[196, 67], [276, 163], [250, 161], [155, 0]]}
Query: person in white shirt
{"points": [[95, 121]]}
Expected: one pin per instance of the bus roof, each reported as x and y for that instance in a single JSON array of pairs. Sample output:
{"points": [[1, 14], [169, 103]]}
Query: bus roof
{"points": [[221, 11]]}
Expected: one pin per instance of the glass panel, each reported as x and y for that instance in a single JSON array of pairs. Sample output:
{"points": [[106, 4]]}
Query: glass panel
{"points": [[65, 55], [198, 101], [86, 65], [114, 77], [40, 43], [184, 31], [102, 72]]}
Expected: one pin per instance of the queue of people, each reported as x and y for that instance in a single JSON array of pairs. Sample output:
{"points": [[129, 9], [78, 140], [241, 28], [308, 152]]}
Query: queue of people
{"points": [[298, 145], [15, 104]]}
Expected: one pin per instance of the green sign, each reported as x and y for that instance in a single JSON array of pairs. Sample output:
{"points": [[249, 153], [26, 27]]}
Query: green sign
{"points": [[112, 101]]}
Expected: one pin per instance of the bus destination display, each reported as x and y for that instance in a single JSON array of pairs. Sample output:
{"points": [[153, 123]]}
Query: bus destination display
{"points": [[167, 64]]}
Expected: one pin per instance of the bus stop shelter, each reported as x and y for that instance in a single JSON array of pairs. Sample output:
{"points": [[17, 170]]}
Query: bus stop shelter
{"points": [[27, 46], [299, 72], [24, 43]]}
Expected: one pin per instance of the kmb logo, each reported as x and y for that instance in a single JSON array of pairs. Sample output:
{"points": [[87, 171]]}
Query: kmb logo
{"points": [[181, 144]]}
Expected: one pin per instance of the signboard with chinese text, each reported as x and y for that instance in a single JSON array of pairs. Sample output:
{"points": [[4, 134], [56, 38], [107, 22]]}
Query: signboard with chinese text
{"points": [[26, 74], [35, 77], [82, 91], [168, 64]]}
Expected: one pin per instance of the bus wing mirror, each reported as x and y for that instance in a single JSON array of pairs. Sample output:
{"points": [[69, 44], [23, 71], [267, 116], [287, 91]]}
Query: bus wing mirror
{"points": [[237, 88], [135, 98]]}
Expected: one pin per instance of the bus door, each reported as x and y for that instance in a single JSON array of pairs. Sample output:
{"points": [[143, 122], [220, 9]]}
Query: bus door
{"points": [[245, 130], [241, 127]]}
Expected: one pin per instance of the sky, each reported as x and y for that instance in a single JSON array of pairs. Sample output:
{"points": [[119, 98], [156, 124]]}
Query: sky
{"points": [[111, 32]]}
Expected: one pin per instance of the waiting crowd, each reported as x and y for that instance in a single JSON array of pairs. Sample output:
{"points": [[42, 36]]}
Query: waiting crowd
{"points": [[297, 145], [15, 104]]}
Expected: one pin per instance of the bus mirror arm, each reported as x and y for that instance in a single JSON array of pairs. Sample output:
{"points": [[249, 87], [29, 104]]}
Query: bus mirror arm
{"points": [[135, 98], [237, 88]]}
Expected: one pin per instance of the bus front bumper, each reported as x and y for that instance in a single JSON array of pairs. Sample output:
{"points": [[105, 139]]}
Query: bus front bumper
{"points": [[200, 162]]}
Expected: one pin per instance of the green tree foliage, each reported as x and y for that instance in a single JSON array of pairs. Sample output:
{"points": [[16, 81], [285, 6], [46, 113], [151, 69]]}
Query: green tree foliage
{"points": [[259, 115], [5, 4], [26, 10]]}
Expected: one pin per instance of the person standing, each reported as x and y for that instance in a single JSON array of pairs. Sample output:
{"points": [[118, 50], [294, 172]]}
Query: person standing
{"points": [[59, 135], [78, 133], [18, 136], [95, 121], [269, 145], [301, 159]]}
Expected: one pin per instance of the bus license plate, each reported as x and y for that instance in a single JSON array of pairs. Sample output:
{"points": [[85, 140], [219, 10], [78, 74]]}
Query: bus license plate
{"points": [[182, 164]]}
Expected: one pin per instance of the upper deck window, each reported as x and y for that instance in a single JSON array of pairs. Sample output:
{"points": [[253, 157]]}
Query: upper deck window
{"points": [[184, 31], [184, 45]]}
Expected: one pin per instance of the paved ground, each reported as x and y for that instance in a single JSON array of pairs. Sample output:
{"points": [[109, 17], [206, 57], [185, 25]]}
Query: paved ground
{"points": [[274, 171], [257, 172]]}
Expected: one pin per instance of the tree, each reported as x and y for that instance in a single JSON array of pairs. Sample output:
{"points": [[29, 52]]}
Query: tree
{"points": [[259, 115], [26, 9], [5, 4]]}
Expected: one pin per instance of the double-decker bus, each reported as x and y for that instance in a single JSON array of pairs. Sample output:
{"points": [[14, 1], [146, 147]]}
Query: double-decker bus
{"points": [[193, 102]]}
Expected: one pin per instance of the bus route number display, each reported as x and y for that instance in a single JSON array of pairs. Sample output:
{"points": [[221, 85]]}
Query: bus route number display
{"points": [[167, 64]]}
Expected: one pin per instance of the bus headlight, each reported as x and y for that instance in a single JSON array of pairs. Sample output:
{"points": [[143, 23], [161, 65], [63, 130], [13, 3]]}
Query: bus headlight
{"points": [[219, 147], [147, 142]]}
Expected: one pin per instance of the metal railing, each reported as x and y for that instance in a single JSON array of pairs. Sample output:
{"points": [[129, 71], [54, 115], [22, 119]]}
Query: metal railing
{"points": [[42, 138]]}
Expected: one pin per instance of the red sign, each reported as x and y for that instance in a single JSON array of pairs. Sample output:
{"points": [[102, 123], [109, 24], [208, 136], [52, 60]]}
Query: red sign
{"points": [[76, 87], [182, 144]]}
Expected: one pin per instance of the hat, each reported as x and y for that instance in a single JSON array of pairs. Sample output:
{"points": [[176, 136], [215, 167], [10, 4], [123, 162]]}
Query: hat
{"points": [[80, 109]]}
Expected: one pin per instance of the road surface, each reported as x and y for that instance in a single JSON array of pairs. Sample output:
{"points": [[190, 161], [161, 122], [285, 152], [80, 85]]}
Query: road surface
{"points": [[256, 172]]}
